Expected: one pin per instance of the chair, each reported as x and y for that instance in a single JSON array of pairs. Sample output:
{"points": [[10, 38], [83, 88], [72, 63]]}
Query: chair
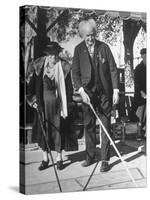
{"points": [[78, 115], [124, 128]]}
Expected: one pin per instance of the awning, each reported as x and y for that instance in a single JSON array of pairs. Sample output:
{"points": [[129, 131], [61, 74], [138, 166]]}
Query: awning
{"points": [[128, 15]]}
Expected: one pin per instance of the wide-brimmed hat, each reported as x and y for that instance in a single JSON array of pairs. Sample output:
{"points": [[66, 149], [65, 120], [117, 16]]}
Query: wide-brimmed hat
{"points": [[52, 48], [143, 51]]}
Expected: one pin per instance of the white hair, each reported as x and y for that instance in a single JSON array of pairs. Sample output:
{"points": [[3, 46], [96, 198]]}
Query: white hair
{"points": [[90, 22]]}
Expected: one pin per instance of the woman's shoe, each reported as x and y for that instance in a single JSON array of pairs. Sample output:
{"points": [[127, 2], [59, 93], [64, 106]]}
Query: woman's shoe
{"points": [[59, 165], [44, 165]]}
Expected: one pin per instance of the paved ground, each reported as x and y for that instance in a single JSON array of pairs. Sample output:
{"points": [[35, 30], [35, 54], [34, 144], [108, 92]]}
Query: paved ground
{"points": [[74, 177]]}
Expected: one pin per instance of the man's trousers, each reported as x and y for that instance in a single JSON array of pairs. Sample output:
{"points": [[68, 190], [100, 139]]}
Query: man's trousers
{"points": [[103, 106]]}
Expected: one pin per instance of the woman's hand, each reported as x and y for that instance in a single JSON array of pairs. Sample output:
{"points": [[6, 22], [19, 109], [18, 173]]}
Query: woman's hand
{"points": [[35, 105]]}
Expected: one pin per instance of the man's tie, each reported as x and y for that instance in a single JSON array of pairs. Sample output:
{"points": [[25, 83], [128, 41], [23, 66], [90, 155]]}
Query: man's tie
{"points": [[91, 52]]}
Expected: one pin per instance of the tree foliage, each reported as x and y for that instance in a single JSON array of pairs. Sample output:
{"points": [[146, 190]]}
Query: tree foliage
{"points": [[108, 28], [66, 28]]}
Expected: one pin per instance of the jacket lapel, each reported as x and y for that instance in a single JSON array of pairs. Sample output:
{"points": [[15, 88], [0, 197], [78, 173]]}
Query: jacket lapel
{"points": [[96, 53], [85, 52], [85, 60]]}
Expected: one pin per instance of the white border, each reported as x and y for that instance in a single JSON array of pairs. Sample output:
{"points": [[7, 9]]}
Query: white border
{"points": [[9, 103]]}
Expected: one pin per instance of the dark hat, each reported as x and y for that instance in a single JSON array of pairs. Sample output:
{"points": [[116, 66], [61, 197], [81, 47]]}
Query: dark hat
{"points": [[143, 51], [52, 48]]}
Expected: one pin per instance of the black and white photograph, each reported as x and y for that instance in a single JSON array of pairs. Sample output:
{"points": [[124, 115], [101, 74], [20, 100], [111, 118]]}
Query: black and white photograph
{"points": [[82, 99]]}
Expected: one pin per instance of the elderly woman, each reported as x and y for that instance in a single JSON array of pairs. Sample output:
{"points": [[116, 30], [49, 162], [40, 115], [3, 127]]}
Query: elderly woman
{"points": [[50, 88]]}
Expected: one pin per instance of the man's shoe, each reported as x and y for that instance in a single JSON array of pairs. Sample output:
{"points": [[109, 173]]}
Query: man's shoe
{"points": [[59, 165], [104, 166], [44, 165], [87, 163]]}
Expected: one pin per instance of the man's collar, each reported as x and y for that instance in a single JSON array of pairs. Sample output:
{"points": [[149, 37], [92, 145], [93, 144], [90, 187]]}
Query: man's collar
{"points": [[91, 45]]}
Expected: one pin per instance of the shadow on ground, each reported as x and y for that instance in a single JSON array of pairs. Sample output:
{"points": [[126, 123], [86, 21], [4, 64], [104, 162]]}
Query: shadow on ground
{"points": [[127, 160], [14, 188], [80, 156], [122, 148]]}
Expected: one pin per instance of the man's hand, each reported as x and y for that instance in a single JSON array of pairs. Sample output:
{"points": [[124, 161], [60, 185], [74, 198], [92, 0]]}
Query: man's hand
{"points": [[84, 96], [115, 96], [143, 95]]}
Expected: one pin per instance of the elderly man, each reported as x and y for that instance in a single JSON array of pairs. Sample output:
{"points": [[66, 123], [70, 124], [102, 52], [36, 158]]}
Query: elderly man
{"points": [[95, 77]]}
